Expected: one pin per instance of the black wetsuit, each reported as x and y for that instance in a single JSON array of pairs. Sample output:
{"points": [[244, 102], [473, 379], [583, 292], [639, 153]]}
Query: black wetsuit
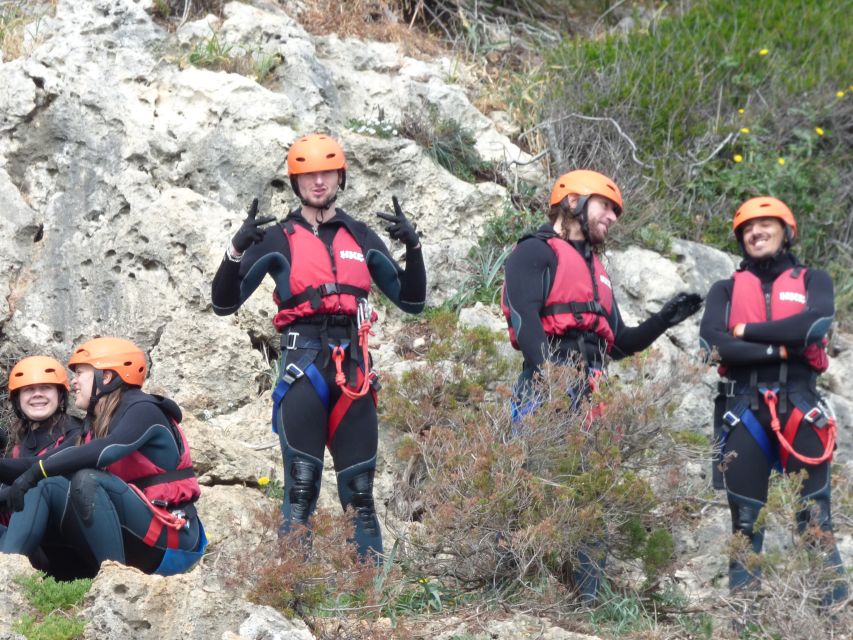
{"points": [[98, 507], [55, 556], [756, 359], [530, 270], [303, 419]]}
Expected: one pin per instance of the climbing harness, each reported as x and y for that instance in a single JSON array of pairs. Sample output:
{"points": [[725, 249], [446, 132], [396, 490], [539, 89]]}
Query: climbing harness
{"points": [[306, 366], [741, 411]]}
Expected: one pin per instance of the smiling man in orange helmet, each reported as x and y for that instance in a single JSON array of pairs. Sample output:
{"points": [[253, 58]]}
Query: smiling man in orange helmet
{"points": [[559, 306], [323, 263], [767, 325]]}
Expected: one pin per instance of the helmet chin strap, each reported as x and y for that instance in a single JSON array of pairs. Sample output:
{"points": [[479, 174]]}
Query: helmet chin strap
{"points": [[322, 208], [99, 389], [579, 213]]}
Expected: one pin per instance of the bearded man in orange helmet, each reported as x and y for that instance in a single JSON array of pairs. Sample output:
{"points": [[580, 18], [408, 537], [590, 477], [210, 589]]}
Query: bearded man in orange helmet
{"points": [[767, 326], [323, 263], [559, 306]]}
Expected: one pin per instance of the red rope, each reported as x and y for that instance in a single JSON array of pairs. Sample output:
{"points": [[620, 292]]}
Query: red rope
{"points": [[772, 399], [338, 357]]}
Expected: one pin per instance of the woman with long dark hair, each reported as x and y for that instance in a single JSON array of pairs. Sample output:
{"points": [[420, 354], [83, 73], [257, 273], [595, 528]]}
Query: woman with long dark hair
{"points": [[128, 491]]}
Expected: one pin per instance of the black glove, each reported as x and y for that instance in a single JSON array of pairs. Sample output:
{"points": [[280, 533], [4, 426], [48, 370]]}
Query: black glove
{"points": [[14, 495], [250, 232], [400, 228], [680, 307]]}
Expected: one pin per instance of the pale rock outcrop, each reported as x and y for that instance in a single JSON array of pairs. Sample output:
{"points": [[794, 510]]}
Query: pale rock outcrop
{"points": [[13, 604], [193, 605]]}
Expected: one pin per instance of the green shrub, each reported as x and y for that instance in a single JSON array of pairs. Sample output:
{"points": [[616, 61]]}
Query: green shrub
{"points": [[56, 603], [448, 143], [212, 54], [662, 110], [505, 507], [795, 572]]}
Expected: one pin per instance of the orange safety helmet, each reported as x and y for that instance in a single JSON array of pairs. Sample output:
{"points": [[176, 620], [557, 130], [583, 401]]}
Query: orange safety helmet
{"points": [[112, 354], [37, 370], [315, 152], [765, 207], [583, 182]]}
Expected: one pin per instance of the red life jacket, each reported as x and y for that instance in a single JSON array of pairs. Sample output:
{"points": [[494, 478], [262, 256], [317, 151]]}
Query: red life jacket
{"points": [[787, 298], [578, 300], [322, 280], [171, 487], [16, 450]]}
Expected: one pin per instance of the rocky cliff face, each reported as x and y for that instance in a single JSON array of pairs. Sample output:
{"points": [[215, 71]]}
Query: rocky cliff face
{"points": [[124, 171]]}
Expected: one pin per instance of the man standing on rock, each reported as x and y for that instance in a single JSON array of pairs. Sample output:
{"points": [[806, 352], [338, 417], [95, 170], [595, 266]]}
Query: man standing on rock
{"points": [[767, 326], [560, 307], [323, 262]]}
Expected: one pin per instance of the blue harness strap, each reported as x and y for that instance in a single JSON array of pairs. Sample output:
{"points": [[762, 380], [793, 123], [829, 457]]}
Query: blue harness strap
{"points": [[293, 371], [741, 413]]}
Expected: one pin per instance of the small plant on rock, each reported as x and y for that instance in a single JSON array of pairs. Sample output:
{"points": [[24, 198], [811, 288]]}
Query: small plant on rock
{"points": [[56, 604]]}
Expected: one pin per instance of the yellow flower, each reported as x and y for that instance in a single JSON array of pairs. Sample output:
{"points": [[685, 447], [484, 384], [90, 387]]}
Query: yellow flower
{"points": [[741, 110], [819, 131], [744, 129], [738, 158], [263, 481], [764, 52], [781, 162], [839, 94]]}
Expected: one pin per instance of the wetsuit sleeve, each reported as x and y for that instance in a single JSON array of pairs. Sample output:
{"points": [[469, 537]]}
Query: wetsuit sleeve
{"points": [[234, 282], [141, 425], [406, 288], [714, 335], [629, 340], [804, 328], [527, 277], [11, 468]]}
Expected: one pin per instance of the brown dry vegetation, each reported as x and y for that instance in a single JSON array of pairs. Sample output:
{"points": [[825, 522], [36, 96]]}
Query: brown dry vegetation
{"points": [[369, 20]]}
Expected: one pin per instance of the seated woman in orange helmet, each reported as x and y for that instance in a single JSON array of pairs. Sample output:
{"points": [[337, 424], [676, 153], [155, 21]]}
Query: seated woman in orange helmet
{"points": [[767, 326], [38, 392], [130, 487]]}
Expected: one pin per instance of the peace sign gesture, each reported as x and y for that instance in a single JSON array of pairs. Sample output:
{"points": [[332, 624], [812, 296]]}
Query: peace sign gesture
{"points": [[250, 232], [400, 228]]}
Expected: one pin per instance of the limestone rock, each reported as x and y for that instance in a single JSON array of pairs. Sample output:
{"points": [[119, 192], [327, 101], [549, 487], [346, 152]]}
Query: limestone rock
{"points": [[194, 605], [13, 604]]}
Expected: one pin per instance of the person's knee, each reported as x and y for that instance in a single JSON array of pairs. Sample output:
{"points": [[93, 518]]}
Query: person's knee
{"points": [[745, 513], [816, 511], [84, 485], [355, 488], [304, 480]]}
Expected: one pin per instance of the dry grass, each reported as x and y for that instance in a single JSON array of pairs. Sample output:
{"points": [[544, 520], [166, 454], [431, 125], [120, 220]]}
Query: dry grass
{"points": [[368, 20]]}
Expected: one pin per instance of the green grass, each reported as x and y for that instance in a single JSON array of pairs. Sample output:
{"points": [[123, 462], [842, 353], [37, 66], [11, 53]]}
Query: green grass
{"points": [[724, 102], [56, 604]]}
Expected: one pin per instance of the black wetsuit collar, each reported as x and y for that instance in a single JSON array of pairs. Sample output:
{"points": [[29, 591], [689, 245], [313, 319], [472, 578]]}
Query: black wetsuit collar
{"points": [[769, 269]]}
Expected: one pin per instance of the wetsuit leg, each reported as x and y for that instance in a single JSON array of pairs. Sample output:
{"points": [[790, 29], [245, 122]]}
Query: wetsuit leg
{"points": [[44, 508], [816, 516], [589, 565], [115, 521], [355, 489], [746, 479], [353, 450], [302, 420]]}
